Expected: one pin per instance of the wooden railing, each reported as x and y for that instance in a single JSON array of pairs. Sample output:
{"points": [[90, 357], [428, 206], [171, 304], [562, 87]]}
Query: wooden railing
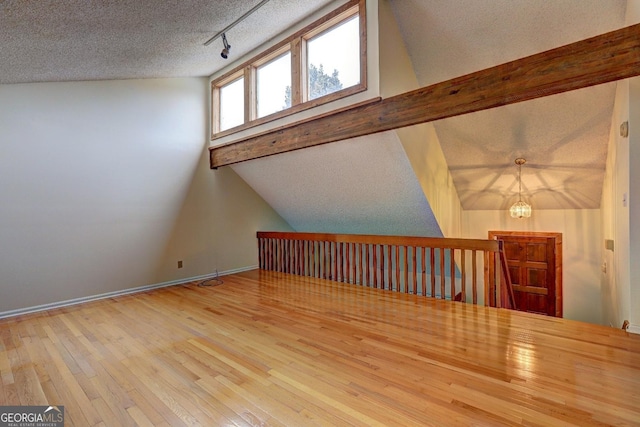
{"points": [[460, 269]]}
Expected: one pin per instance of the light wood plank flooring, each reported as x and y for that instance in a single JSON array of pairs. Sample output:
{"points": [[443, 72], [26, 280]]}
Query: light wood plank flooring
{"points": [[268, 348]]}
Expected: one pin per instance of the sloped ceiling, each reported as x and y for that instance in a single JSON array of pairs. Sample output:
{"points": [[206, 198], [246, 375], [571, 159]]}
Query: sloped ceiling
{"points": [[364, 186], [564, 137]]}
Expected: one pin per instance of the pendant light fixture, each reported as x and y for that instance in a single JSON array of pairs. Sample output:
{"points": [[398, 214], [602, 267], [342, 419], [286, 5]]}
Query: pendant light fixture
{"points": [[520, 209]]}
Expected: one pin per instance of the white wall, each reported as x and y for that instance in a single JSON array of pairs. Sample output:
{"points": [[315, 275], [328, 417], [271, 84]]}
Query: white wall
{"points": [[581, 244], [620, 286], [105, 185], [615, 217], [634, 203]]}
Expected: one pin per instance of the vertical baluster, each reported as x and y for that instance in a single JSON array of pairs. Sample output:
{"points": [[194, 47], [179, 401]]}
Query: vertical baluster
{"points": [[474, 265], [359, 263], [338, 261], [330, 261], [275, 254], [347, 262], [367, 272], [389, 270], [324, 260], [319, 259], [327, 260], [423, 261], [442, 273], [354, 261], [305, 252], [405, 275], [270, 259], [487, 280], [496, 279], [414, 266], [452, 266], [291, 256], [341, 261], [285, 255], [432, 264], [310, 256], [334, 261], [300, 258], [375, 266], [315, 258], [463, 284], [294, 257], [397, 270]]}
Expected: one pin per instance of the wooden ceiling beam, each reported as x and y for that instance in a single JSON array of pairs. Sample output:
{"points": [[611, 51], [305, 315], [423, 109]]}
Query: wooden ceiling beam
{"points": [[600, 59]]}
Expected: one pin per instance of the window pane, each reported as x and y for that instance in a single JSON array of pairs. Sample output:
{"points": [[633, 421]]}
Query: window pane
{"points": [[232, 104], [334, 59], [274, 85]]}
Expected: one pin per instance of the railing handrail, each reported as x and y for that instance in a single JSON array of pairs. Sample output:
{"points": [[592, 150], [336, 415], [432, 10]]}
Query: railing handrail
{"points": [[435, 242]]}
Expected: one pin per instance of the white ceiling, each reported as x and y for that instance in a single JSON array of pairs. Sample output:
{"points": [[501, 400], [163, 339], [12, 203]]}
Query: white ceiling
{"points": [[563, 137], [65, 40], [364, 186]]}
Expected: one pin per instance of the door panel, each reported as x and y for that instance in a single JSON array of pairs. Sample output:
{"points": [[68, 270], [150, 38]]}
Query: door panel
{"points": [[536, 251], [531, 260]]}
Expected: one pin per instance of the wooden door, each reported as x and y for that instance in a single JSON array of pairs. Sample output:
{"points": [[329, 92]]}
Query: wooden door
{"points": [[535, 266]]}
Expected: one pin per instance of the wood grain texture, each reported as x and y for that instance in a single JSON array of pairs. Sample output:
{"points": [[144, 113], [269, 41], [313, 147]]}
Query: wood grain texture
{"points": [[601, 59], [404, 260], [268, 348]]}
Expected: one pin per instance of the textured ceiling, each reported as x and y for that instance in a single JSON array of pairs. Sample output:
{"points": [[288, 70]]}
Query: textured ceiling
{"points": [[564, 137], [446, 38], [62, 40], [364, 186]]}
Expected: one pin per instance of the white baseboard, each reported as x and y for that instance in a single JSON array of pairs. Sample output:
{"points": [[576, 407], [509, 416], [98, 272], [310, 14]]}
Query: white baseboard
{"points": [[634, 329], [74, 301]]}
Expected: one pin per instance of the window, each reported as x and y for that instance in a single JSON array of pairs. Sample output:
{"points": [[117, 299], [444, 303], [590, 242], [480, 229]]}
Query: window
{"points": [[322, 62], [333, 59], [274, 83], [232, 104]]}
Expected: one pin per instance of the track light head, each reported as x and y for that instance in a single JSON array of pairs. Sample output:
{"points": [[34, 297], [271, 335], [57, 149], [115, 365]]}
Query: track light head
{"points": [[227, 47]]}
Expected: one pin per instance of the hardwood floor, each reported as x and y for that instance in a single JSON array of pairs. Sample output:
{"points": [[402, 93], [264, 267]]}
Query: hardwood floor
{"points": [[268, 348]]}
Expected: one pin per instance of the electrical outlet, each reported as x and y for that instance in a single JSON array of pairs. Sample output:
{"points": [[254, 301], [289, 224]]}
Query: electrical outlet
{"points": [[179, 264]]}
